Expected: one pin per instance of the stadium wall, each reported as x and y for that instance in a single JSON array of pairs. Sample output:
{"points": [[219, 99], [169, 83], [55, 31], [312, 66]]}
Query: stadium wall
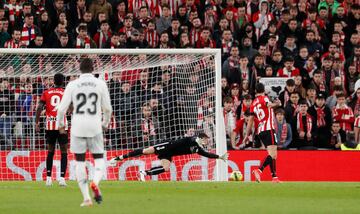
{"points": [[291, 166]]}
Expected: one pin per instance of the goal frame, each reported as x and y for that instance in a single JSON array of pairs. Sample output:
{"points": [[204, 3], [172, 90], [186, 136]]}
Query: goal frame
{"points": [[221, 168]]}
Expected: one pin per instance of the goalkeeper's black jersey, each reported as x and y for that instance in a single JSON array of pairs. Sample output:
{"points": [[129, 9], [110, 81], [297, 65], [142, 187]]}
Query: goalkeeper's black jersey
{"points": [[184, 146]]}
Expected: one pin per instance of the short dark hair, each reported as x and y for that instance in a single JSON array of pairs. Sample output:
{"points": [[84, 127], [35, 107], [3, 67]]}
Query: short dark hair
{"points": [[228, 100], [59, 79], [86, 65], [202, 135], [303, 102], [259, 88]]}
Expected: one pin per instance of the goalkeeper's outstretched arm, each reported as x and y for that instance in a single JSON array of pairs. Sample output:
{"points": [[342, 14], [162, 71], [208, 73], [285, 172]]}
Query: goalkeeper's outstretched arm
{"points": [[204, 153]]}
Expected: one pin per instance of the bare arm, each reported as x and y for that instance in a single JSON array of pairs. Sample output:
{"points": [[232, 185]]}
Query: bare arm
{"points": [[38, 111]]}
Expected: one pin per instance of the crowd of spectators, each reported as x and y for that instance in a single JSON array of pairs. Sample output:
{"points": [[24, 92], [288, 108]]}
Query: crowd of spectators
{"points": [[315, 44]]}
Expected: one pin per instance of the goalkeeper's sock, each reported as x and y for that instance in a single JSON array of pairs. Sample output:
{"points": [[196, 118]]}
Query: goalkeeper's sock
{"points": [[63, 164], [155, 170], [134, 153], [49, 163], [99, 170], [273, 168], [81, 179], [266, 162]]}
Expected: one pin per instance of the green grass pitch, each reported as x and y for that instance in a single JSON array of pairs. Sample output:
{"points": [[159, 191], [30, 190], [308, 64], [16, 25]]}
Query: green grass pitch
{"points": [[183, 197]]}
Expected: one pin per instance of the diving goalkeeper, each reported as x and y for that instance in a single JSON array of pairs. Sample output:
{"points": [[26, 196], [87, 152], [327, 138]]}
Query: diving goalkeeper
{"points": [[168, 149]]}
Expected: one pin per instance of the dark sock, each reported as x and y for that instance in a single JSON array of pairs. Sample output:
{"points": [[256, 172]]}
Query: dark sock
{"points": [[49, 163], [273, 167], [266, 162], [134, 153], [63, 164], [155, 170]]}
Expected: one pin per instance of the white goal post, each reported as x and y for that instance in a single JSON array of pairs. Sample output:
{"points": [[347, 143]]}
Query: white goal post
{"points": [[190, 102]]}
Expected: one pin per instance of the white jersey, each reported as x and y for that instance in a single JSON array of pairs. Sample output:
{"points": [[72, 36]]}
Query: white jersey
{"points": [[89, 96]]}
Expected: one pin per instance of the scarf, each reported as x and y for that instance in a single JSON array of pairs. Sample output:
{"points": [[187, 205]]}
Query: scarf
{"points": [[147, 127], [244, 74], [14, 10], [295, 107], [80, 12], [25, 37], [300, 125], [103, 38], [284, 130], [320, 114], [226, 46], [83, 43], [194, 36]]}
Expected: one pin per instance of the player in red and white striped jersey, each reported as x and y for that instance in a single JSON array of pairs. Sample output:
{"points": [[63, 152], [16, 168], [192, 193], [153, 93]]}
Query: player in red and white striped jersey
{"points": [[262, 109], [51, 99]]}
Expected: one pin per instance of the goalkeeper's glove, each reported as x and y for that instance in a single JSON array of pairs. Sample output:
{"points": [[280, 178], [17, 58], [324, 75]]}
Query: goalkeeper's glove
{"points": [[113, 161], [224, 157]]}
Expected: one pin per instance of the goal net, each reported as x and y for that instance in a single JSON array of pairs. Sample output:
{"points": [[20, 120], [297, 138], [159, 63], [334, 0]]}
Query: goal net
{"points": [[156, 95]]}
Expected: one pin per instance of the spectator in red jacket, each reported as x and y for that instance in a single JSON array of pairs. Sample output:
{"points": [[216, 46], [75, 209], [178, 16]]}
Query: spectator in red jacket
{"points": [[288, 70], [343, 113]]}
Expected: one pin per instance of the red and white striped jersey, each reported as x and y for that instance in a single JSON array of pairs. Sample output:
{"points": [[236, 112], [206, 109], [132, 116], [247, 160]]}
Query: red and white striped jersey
{"points": [[263, 114], [52, 97], [357, 122]]}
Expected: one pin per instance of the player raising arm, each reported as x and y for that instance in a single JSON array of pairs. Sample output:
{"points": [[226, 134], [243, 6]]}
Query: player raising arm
{"points": [[262, 109], [89, 97], [168, 149], [51, 99]]}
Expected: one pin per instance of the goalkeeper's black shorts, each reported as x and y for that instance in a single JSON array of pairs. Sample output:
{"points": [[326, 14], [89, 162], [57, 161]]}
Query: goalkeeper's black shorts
{"points": [[162, 150], [53, 136]]}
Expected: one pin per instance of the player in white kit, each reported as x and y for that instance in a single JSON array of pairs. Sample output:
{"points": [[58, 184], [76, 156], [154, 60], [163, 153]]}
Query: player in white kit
{"points": [[90, 98]]}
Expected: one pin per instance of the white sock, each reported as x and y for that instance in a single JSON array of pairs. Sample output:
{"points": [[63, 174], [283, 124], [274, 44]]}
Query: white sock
{"points": [[81, 179], [99, 170]]}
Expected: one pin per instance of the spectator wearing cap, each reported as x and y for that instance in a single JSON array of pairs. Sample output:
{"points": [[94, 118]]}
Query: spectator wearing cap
{"points": [[284, 96], [98, 6], [282, 129], [235, 94], [303, 128], [288, 70], [343, 113], [322, 119], [331, 100], [134, 40]]}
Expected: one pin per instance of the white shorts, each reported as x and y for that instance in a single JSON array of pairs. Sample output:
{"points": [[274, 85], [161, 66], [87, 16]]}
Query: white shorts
{"points": [[79, 145]]}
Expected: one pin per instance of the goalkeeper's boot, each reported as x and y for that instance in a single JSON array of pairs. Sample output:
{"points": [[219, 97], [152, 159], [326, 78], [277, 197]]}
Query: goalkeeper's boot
{"points": [[276, 180], [62, 182], [48, 181], [257, 173], [86, 203], [97, 193], [142, 175]]}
